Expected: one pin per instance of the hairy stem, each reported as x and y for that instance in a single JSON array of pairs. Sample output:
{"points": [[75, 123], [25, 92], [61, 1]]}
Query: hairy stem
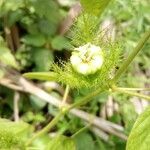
{"points": [[130, 58], [46, 128]]}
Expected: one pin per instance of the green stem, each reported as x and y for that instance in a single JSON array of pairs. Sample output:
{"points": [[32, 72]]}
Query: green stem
{"points": [[81, 130], [86, 99], [132, 56], [132, 93], [65, 94], [47, 128], [133, 89], [54, 121], [66, 109]]}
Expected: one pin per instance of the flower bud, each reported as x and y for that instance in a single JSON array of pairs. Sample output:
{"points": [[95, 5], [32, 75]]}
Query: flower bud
{"points": [[87, 59]]}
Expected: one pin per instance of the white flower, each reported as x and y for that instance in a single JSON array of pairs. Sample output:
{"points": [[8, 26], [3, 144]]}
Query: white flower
{"points": [[87, 59]]}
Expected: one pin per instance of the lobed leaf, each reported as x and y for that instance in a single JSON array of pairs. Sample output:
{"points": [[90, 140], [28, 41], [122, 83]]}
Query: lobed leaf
{"points": [[12, 134]]}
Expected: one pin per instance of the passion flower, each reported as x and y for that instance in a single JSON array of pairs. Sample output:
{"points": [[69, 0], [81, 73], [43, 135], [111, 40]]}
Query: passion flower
{"points": [[87, 59]]}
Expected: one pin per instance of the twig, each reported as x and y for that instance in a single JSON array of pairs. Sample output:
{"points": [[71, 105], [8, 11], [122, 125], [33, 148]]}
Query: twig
{"points": [[16, 107], [68, 21], [8, 34], [100, 123], [109, 106], [104, 136], [7, 83], [106, 126], [100, 133], [15, 36]]}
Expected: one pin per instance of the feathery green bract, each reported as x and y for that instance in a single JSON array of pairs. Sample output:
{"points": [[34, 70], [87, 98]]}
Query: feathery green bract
{"points": [[95, 7], [101, 78], [85, 29]]}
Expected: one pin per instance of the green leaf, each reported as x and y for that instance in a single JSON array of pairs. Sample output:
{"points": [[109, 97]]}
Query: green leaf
{"points": [[9, 5], [34, 40], [15, 16], [95, 7], [139, 138], [61, 143], [84, 141], [41, 142], [7, 57], [12, 134], [46, 27], [48, 76], [60, 43], [46, 9], [43, 59], [36, 102]]}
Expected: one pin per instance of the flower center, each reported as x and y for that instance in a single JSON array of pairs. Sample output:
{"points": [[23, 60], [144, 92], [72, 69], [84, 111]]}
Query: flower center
{"points": [[87, 59]]}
